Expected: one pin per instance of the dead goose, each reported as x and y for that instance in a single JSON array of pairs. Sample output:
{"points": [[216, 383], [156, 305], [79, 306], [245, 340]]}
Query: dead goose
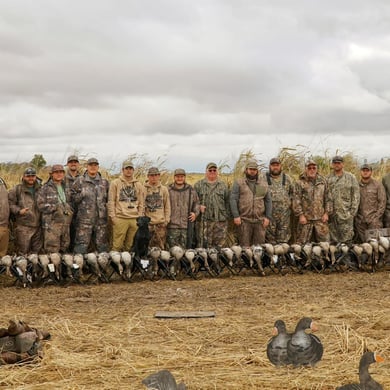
{"points": [[258, 251], [116, 261], [163, 380], [154, 254], [190, 254], [44, 261], [78, 260], [6, 261], [55, 261], [67, 258], [91, 260], [127, 262], [365, 379], [277, 345], [21, 268], [229, 255]]}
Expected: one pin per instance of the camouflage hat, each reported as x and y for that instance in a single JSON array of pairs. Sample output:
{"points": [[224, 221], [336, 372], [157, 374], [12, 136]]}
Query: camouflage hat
{"points": [[57, 168], [127, 164], [153, 171], [30, 172], [310, 162], [92, 160], [72, 158], [337, 159], [274, 160], [179, 171], [366, 166], [252, 164], [211, 165]]}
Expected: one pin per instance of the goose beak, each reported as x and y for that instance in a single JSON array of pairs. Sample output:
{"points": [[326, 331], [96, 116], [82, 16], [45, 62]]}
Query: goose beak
{"points": [[379, 359], [313, 326], [275, 331]]}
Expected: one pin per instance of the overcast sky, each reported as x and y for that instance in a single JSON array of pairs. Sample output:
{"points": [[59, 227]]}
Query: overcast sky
{"points": [[195, 81]]}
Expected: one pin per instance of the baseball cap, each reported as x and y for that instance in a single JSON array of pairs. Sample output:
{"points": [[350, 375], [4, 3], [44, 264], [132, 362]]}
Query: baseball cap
{"points": [[179, 171], [274, 160], [30, 172], [72, 158], [365, 166], [211, 165], [127, 164], [337, 159], [57, 168], [92, 160], [310, 162], [252, 164], [153, 171]]}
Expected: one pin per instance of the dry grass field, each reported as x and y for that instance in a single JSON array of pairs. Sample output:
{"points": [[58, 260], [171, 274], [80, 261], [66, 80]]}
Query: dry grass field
{"points": [[106, 337]]}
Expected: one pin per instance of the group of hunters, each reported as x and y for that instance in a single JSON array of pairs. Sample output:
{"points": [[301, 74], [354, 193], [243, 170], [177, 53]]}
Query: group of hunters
{"points": [[72, 210]]}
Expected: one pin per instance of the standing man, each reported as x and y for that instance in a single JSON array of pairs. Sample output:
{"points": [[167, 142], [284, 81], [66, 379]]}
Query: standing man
{"points": [[251, 206], [372, 203], [157, 208], [4, 218], [22, 202], [72, 173], [312, 205], [344, 190], [53, 203], [89, 195], [126, 202], [213, 196], [386, 216], [184, 210], [281, 188]]}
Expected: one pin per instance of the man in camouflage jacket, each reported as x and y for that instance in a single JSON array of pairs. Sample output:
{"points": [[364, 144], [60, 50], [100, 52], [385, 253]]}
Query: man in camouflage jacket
{"points": [[312, 205], [53, 203], [251, 206], [4, 218], [345, 193], [89, 196], [213, 193], [281, 188], [372, 203], [386, 216], [22, 202]]}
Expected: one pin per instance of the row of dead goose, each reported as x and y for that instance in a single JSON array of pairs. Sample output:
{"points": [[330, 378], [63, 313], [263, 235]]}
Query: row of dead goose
{"points": [[316, 256]]}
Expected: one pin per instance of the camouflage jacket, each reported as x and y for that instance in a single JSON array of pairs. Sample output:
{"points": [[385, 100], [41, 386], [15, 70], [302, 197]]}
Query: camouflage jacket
{"points": [[21, 197], [282, 191], [183, 201], [4, 205], [386, 184], [157, 204], [215, 196], [89, 197], [345, 194], [372, 201], [312, 198], [126, 198], [251, 205], [69, 180], [52, 209]]}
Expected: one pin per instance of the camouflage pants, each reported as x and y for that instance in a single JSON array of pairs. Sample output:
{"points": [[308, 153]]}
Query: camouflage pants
{"points": [[123, 232], [313, 231], [88, 235], [386, 219], [250, 233], [56, 238], [28, 239], [158, 235], [4, 239], [177, 237], [341, 231], [361, 226], [211, 233], [279, 229]]}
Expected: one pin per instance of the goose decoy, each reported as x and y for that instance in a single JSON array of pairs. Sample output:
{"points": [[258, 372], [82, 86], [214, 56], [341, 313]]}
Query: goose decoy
{"points": [[163, 380], [277, 345], [304, 348], [365, 379]]}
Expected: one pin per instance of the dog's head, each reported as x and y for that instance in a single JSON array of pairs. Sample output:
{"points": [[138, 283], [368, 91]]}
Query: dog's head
{"points": [[143, 221]]}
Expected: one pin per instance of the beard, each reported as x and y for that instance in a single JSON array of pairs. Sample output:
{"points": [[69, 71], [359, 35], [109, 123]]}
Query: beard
{"points": [[251, 177]]}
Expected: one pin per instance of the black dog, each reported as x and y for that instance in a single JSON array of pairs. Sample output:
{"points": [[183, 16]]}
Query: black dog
{"points": [[141, 238]]}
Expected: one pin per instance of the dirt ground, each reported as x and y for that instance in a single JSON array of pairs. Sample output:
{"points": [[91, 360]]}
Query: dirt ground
{"points": [[106, 337]]}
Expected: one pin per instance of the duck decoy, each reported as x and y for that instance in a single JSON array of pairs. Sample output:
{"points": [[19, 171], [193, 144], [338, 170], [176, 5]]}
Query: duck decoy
{"points": [[163, 380], [365, 379], [277, 345], [304, 348]]}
